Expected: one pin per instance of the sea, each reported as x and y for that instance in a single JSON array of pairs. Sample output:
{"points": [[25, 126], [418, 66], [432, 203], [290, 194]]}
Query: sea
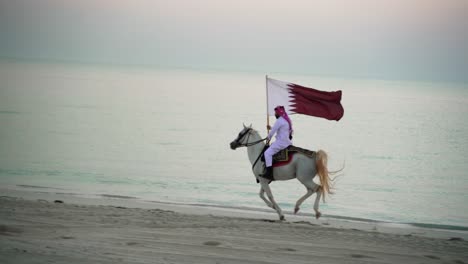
{"points": [[160, 134]]}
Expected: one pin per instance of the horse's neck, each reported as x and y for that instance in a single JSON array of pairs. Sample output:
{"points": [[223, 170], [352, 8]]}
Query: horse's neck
{"points": [[255, 150]]}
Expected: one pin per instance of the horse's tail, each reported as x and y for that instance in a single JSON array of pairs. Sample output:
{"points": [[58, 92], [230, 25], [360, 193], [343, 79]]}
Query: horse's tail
{"points": [[321, 161]]}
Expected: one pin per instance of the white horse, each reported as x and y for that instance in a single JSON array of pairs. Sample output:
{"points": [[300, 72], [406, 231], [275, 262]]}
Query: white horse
{"points": [[301, 167]]}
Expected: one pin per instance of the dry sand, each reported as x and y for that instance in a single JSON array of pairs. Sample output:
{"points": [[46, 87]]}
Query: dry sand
{"points": [[41, 231]]}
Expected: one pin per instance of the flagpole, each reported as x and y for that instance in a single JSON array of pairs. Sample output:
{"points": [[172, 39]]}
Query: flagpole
{"points": [[268, 116]]}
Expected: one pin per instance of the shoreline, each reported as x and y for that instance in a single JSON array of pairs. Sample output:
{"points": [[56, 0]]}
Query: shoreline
{"points": [[56, 228], [352, 223]]}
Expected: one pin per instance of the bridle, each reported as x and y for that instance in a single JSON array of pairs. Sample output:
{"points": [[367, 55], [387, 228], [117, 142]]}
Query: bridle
{"points": [[247, 144]]}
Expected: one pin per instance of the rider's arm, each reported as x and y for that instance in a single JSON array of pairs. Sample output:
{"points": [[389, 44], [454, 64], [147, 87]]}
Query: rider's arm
{"points": [[274, 129]]}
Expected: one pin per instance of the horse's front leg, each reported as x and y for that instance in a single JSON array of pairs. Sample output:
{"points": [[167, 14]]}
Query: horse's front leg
{"points": [[266, 188], [262, 195]]}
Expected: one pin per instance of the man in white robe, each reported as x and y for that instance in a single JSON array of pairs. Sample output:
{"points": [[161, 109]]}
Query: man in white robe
{"points": [[283, 130]]}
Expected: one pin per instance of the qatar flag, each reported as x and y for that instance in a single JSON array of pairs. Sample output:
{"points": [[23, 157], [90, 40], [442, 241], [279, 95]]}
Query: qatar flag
{"points": [[298, 99]]}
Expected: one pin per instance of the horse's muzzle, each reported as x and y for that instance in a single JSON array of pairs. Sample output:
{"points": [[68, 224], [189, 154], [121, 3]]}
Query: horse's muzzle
{"points": [[233, 145]]}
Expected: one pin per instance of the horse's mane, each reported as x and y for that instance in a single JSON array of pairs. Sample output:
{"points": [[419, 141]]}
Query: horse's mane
{"points": [[254, 131]]}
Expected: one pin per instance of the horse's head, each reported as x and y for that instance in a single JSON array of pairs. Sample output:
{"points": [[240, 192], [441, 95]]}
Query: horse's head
{"points": [[243, 137]]}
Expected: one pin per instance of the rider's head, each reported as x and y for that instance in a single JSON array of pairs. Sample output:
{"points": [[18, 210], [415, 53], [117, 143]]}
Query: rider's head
{"points": [[279, 111]]}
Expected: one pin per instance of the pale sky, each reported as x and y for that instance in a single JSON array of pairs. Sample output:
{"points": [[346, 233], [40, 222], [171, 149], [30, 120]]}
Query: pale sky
{"points": [[399, 39]]}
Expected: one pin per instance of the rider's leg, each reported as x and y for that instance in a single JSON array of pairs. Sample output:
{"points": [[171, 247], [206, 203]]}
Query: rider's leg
{"points": [[272, 150]]}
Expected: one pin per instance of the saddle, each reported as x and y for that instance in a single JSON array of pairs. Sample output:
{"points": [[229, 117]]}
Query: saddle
{"points": [[283, 157]]}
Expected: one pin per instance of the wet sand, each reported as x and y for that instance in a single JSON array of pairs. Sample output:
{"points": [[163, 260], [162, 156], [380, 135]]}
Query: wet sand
{"points": [[44, 231]]}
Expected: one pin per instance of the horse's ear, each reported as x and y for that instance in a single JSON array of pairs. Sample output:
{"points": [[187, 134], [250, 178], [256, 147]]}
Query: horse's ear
{"points": [[244, 125], [250, 125]]}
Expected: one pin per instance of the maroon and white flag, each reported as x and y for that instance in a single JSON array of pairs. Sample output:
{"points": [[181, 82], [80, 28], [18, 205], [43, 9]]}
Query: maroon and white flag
{"points": [[298, 99]]}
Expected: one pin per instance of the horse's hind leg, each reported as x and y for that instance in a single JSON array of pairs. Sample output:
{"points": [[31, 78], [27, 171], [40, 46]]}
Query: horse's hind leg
{"points": [[311, 187], [316, 203], [302, 199], [262, 195]]}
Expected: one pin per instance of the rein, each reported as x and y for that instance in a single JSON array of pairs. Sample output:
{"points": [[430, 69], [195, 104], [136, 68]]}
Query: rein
{"points": [[253, 143], [248, 144], [259, 156]]}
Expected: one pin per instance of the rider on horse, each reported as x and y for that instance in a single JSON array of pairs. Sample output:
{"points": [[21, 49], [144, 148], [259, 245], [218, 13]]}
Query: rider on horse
{"points": [[283, 130]]}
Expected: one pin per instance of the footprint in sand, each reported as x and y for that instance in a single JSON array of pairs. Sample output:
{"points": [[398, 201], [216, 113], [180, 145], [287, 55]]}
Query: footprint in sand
{"points": [[9, 230], [360, 256], [286, 249], [431, 257], [211, 243], [456, 239]]}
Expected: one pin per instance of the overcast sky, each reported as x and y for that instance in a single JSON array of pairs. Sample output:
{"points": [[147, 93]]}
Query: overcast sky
{"points": [[399, 39]]}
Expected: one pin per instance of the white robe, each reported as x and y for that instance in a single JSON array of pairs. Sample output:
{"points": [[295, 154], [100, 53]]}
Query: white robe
{"points": [[281, 128]]}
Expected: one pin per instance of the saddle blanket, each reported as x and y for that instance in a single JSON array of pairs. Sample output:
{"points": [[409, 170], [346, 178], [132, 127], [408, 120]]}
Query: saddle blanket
{"points": [[284, 156]]}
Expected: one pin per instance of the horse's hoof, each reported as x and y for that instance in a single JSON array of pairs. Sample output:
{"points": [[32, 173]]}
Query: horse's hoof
{"points": [[318, 215], [296, 209], [282, 218]]}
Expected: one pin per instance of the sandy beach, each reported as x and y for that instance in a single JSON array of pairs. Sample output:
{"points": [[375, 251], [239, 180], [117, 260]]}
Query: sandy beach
{"points": [[71, 231]]}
